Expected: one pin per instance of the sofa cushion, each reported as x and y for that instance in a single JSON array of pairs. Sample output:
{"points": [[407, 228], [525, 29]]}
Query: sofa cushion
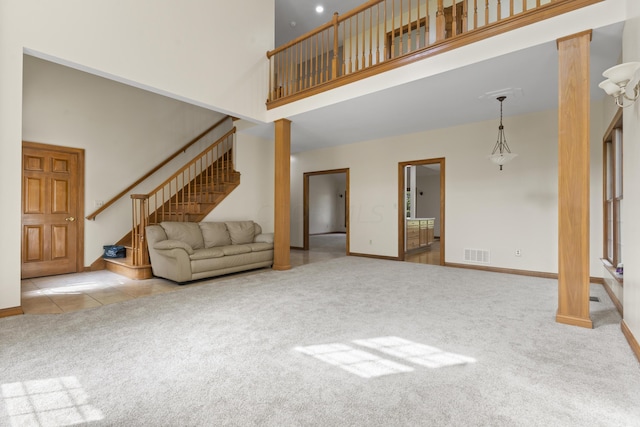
{"points": [[207, 253], [188, 232], [241, 232], [215, 234], [263, 238], [235, 249], [256, 229], [258, 247], [172, 244]]}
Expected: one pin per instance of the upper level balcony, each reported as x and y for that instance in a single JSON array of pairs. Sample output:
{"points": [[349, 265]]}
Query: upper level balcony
{"points": [[381, 35]]}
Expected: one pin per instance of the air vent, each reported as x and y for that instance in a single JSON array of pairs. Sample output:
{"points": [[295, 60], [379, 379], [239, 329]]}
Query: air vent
{"points": [[476, 255]]}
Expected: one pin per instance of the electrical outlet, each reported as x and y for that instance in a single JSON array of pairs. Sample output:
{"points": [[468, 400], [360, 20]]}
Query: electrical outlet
{"points": [[518, 252], [98, 203]]}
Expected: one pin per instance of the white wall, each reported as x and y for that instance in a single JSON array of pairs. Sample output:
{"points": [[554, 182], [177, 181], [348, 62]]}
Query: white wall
{"points": [[631, 206], [499, 211], [326, 207], [254, 198], [182, 49]]}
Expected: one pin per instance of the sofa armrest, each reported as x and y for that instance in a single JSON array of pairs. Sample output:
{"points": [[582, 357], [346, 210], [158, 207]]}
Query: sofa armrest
{"points": [[263, 238], [166, 245]]}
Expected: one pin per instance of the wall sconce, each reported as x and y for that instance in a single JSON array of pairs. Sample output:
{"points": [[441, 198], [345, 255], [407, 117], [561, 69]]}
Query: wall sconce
{"points": [[501, 153], [623, 82]]}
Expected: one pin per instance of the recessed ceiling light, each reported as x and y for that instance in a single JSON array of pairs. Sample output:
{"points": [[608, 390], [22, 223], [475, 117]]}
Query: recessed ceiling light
{"points": [[293, 23], [319, 9]]}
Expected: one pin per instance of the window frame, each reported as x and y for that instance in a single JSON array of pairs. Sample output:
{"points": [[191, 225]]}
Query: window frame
{"points": [[612, 194]]}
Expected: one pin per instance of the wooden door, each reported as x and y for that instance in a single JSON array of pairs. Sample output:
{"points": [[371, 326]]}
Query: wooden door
{"points": [[52, 214]]}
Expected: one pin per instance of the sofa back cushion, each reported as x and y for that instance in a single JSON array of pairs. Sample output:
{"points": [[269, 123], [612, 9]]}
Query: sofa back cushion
{"points": [[241, 232], [215, 234], [188, 232]]}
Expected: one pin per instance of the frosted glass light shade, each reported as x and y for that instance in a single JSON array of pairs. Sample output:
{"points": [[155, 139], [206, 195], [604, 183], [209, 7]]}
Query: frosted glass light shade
{"points": [[502, 158], [610, 87], [621, 74]]}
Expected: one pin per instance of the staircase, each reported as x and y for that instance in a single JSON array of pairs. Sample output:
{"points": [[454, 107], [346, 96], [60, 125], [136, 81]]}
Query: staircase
{"points": [[189, 195]]}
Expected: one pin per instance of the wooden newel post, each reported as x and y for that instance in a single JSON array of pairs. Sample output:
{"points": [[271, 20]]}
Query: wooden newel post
{"points": [[139, 222], [334, 62]]}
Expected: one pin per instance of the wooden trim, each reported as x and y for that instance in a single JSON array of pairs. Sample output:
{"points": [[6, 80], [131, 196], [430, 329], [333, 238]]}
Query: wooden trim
{"points": [[574, 321], [528, 273], [635, 347], [614, 299], [13, 311], [97, 265], [608, 138], [616, 122], [282, 214], [305, 201], [573, 179], [401, 212], [386, 258], [327, 232], [115, 198], [134, 272], [612, 271], [514, 22], [80, 193]]}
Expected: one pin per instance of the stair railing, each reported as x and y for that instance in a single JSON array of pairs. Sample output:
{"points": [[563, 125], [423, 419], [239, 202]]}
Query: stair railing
{"points": [[380, 35], [187, 193], [182, 149]]}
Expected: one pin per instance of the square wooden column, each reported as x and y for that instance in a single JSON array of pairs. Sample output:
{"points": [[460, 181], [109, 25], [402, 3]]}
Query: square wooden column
{"points": [[573, 180], [282, 223]]}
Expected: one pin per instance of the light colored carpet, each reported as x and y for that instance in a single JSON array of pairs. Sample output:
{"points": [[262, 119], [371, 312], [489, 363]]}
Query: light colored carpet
{"points": [[348, 341]]}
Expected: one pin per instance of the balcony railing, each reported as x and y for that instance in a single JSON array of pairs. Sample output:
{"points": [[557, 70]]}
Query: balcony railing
{"points": [[384, 34]]}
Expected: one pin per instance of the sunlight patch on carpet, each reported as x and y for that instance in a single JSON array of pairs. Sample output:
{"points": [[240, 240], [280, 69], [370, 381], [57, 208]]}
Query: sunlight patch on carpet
{"points": [[414, 352], [358, 362], [52, 402]]}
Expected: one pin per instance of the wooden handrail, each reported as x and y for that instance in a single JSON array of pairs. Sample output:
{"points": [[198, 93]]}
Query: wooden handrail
{"points": [[115, 198], [185, 167], [296, 72]]}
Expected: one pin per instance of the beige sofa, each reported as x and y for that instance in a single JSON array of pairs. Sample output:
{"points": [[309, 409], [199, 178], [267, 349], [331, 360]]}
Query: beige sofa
{"points": [[185, 251]]}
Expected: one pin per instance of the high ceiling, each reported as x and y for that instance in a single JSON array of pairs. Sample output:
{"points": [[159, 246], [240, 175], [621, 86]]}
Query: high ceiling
{"points": [[444, 100], [303, 13]]}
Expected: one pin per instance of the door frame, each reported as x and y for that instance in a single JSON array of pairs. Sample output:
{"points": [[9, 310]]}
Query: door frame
{"points": [[80, 197], [305, 244], [401, 203]]}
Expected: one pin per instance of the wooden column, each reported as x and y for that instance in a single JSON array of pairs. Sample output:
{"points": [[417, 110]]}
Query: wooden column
{"points": [[282, 231], [573, 180]]}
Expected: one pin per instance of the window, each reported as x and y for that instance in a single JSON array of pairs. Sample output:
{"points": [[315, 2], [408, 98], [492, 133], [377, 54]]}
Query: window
{"points": [[613, 193]]}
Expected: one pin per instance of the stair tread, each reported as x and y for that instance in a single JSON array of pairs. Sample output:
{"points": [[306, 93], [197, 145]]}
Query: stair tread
{"points": [[125, 263]]}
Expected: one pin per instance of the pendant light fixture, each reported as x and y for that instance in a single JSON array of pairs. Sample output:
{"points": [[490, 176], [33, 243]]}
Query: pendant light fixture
{"points": [[501, 153]]}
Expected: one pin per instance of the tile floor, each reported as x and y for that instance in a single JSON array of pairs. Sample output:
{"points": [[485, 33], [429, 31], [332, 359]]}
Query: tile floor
{"points": [[72, 292]]}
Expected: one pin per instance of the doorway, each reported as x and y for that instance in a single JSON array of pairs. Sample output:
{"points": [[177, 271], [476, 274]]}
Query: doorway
{"points": [[326, 206], [421, 198], [52, 210]]}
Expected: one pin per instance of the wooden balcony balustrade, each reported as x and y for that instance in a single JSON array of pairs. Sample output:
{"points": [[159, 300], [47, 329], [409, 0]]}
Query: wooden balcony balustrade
{"points": [[188, 195], [381, 35]]}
